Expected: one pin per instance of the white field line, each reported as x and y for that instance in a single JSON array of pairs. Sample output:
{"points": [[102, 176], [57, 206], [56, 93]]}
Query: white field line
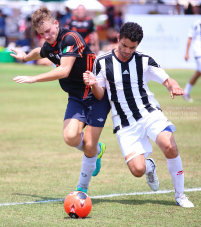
{"points": [[103, 196]]}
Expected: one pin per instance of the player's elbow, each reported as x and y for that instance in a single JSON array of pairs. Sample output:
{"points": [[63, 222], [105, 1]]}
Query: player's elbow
{"points": [[99, 97]]}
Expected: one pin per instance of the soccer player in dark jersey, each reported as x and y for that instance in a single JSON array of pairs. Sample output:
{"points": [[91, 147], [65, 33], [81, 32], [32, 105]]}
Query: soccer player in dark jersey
{"points": [[136, 114], [68, 51], [84, 25]]}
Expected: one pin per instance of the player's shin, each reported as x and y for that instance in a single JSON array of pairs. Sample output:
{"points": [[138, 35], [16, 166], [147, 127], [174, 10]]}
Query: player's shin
{"points": [[177, 174], [88, 166]]}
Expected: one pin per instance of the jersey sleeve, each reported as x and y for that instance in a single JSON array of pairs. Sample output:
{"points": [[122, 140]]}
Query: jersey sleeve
{"points": [[72, 45], [42, 52], [99, 72], [155, 72]]}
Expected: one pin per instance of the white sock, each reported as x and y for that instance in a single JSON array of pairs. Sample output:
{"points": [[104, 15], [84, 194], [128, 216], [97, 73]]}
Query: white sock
{"points": [[80, 146], [177, 174], [88, 166], [188, 89], [149, 166]]}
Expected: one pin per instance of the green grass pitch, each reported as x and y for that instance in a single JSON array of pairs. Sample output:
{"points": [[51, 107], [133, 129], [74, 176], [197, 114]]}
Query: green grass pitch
{"points": [[36, 164]]}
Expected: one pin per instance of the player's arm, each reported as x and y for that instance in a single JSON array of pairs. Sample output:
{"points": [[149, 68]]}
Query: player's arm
{"points": [[58, 73], [22, 56], [173, 87], [188, 48], [90, 80]]}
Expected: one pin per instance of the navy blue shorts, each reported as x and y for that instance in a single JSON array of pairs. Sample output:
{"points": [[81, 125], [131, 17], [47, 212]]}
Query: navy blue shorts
{"points": [[91, 111]]}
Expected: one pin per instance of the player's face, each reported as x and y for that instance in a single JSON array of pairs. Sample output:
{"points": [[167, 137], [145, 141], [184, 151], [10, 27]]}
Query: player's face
{"points": [[81, 12], [126, 48], [49, 31]]}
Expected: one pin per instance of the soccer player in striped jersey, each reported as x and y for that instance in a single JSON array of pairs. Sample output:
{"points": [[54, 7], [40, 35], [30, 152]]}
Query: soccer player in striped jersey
{"points": [[194, 37], [136, 114], [68, 51]]}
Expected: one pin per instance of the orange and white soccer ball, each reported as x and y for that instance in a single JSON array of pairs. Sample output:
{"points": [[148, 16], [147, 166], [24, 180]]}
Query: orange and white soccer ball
{"points": [[77, 204]]}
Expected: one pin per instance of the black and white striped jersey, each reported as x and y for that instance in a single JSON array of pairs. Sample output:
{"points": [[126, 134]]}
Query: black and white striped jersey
{"points": [[195, 34], [126, 84]]}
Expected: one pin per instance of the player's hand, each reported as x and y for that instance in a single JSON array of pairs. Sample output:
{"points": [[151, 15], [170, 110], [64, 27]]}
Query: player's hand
{"points": [[176, 91], [24, 79], [186, 57], [89, 78], [18, 54]]}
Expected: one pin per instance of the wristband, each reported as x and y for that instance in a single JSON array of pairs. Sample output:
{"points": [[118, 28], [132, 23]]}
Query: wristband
{"points": [[23, 59]]}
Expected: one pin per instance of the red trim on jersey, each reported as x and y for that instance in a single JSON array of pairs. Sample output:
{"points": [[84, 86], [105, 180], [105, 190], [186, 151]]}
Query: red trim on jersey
{"points": [[87, 39], [79, 43], [54, 44], [81, 30], [88, 18], [89, 67]]}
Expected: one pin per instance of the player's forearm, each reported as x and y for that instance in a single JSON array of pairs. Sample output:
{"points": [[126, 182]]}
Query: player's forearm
{"points": [[169, 83], [33, 55], [55, 74], [188, 45], [98, 91]]}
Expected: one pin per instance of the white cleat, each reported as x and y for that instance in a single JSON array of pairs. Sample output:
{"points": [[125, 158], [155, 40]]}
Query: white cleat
{"points": [[183, 201], [152, 178], [187, 97]]}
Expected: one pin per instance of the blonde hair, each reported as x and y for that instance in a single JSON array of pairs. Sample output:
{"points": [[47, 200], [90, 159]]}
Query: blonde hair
{"points": [[41, 15]]}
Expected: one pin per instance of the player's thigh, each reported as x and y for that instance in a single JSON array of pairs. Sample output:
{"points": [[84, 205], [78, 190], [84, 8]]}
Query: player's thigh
{"points": [[72, 128], [137, 165], [165, 140]]}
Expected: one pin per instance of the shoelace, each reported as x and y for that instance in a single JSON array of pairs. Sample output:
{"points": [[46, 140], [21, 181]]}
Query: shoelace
{"points": [[183, 197]]}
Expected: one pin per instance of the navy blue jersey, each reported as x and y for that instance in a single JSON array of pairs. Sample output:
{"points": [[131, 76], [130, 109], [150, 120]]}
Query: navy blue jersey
{"points": [[84, 27], [71, 43]]}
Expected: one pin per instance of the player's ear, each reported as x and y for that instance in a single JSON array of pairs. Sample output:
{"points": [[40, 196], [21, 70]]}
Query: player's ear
{"points": [[56, 22], [118, 37]]}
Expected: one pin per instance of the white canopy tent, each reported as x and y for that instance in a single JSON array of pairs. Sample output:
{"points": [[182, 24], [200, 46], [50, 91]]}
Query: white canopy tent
{"points": [[90, 5]]}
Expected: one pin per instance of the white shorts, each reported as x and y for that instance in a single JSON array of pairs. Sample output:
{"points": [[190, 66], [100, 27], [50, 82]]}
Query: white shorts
{"points": [[134, 140], [198, 64]]}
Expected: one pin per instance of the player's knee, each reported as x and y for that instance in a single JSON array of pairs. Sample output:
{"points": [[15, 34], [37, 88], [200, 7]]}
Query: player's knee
{"points": [[71, 139], [138, 171], [170, 149]]}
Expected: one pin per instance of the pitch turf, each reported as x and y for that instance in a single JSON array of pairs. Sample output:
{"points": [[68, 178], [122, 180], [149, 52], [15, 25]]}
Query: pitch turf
{"points": [[35, 163]]}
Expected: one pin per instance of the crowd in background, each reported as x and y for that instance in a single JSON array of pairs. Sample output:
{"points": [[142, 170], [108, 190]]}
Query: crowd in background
{"points": [[19, 32]]}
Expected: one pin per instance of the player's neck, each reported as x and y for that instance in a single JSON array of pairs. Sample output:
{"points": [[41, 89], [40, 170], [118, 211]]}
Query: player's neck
{"points": [[118, 55]]}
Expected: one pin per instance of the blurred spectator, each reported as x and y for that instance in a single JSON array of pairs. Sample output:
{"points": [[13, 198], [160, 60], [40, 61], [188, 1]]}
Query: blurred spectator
{"points": [[2, 24], [193, 8], [110, 13], [65, 20], [83, 24], [112, 40], [2, 30], [118, 20]]}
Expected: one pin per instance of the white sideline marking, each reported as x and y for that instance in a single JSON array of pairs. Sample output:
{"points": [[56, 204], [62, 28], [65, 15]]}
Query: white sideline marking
{"points": [[103, 196]]}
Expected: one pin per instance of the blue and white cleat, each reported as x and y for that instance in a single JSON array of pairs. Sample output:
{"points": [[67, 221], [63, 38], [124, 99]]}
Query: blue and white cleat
{"points": [[99, 159], [183, 201]]}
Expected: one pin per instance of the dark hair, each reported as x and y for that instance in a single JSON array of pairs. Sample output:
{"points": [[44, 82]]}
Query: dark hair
{"points": [[132, 31], [41, 15]]}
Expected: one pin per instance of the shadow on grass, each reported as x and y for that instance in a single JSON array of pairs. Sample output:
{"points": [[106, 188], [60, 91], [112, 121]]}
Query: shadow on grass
{"points": [[103, 200], [134, 201]]}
